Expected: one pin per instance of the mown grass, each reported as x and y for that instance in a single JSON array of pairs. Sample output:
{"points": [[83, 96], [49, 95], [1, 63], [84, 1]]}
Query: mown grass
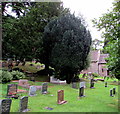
{"points": [[96, 100]]}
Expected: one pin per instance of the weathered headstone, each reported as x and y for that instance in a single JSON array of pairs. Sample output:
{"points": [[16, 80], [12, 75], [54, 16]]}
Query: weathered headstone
{"points": [[24, 83], [32, 91], [44, 88], [81, 89], [61, 97], [114, 91], [32, 78], [5, 105], [105, 84], [92, 83], [12, 91], [111, 92], [74, 85], [24, 104]]}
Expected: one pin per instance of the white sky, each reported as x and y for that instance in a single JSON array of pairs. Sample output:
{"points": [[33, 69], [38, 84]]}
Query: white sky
{"points": [[90, 9]]}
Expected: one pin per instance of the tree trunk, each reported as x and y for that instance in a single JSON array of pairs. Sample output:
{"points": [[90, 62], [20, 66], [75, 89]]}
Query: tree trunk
{"points": [[69, 78], [46, 67]]}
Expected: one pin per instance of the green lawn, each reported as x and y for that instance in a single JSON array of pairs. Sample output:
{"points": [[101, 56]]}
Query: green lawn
{"points": [[96, 100]]}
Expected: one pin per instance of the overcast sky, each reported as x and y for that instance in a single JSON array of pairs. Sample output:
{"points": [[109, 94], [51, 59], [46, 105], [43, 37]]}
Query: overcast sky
{"points": [[90, 9]]}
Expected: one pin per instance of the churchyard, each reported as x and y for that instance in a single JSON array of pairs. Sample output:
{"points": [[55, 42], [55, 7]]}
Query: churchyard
{"points": [[97, 99]]}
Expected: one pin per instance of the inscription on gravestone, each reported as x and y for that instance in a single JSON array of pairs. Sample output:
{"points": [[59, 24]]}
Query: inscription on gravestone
{"points": [[44, 88], [61, 97], [32, 91], [24, 104], [12, 91], [5, 105]]}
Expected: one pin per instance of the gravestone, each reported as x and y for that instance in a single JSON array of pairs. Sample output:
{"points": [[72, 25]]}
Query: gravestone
{"points": [[12, 91], [32, 91], [74, 85], [81, 89], [92, 83], [111, 92], [44, 88], [114, 91], [24, 104], [32, 78], [61, 97], [105, 84], [24, 83], [5, 105]]}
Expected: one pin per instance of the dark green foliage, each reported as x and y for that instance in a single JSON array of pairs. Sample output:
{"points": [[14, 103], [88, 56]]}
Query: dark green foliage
{"points": [[22, 37], [5, 76], [95, 75], [17, 75], [45, 72], [67, 44]]}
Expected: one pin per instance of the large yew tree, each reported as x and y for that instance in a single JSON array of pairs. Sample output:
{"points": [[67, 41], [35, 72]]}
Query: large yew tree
{"points": [[67, 44]]}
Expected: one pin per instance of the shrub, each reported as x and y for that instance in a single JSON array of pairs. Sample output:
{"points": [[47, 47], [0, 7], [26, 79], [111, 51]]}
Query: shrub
{"points": [[17, 75], [95, 75], [5, 76]]}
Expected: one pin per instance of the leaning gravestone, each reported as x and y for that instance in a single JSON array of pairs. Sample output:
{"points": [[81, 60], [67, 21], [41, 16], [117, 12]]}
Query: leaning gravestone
{"points": [[32, 91], [24, 104], [111, 92], [105, 84], [5, 105], [44, 88], [81, 89], [24, 83], [12, 91], [114, 91], [61, 97], [74, 85], [92, 83]]}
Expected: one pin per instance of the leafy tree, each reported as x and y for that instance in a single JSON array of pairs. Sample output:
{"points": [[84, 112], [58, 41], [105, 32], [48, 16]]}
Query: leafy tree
{"points": [[22, 37], [111, 25], [67, 43], [96, 43]]}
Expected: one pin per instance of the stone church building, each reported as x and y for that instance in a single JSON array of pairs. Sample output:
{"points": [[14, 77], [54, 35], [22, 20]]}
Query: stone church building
{"points": [[98, 63]]}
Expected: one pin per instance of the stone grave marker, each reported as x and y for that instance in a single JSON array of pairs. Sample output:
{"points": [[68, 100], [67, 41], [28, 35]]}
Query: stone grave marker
{"points": [[24, 83], [74, 85], [44, 88], [92, 83], [105, 84], [111, 92], [12, 91], [48, 108], [24, 104], [81, 89], [114, 91], [32, 78], [5, 105], [61, 97], [32, 91]]}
